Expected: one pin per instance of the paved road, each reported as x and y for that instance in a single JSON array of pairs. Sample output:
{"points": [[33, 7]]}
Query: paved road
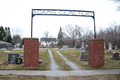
{"points": [[60, 73]]}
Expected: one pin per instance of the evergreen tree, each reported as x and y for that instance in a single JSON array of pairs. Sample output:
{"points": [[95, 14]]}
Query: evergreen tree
{"points": [[9, 39], [8, 35], [60, 37], [2, 34]]}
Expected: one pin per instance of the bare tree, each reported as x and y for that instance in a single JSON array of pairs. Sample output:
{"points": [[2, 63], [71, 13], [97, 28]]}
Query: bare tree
{"points": [[17, 39], [86, 34], [110, 35], [117, 2], [16, 31], [79, 30], [71, 31]]}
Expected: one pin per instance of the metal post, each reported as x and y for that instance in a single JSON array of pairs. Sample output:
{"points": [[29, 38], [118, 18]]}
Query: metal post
{"points": [[94, 26], [31, 24]]}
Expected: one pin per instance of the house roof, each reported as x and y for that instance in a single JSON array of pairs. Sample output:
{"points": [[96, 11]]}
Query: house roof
{"points": [[2, 42], [48, 39]]}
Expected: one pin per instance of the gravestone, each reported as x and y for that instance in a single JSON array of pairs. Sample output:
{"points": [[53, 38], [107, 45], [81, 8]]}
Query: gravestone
{"points": [[13, 57], [83, 56], [7, 51], [115, 47], [65, 47], [86, 47], [42, 51], [9, 48], [77, 47], [82, 48], [104, 46], [115, 56], [109, 49]]}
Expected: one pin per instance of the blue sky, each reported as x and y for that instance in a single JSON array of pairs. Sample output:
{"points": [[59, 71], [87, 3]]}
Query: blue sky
{"points": [[16, 14]]}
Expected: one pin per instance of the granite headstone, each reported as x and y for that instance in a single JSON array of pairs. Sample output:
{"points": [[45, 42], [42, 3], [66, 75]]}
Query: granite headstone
{"points": [[82, 48], [115, 56], [115, 47], [83, 56], [65, 47], [13, 57], [109, 49], [9, 48]]}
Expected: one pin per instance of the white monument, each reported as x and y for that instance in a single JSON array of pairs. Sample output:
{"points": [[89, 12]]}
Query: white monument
{"points": [[82, 48], [104, 46], [64, 47], [115, 47], [109, 48]]}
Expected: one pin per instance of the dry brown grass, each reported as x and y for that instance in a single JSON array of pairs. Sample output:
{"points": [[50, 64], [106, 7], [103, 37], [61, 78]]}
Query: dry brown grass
{"points": [[71, 54], [93, 77], [45, 65], [109, 64]]}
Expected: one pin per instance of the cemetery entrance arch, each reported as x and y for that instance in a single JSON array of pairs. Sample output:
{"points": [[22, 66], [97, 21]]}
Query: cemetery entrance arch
{"points": [[61, 12]]}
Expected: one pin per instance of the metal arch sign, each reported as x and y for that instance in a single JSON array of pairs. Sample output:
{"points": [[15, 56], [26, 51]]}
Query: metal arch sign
{"points": [[59, 12]]}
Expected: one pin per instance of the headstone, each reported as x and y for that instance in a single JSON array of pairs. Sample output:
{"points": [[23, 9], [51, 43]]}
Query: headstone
{"points": [[86, 47], [9, 48], [115, 47], [83, 56], [42, 51], [23, 46], [104, 46], [77, 47], [115, 56], [65, 47], [7, 51], [13, 57], [82, 48], [109, 48]]}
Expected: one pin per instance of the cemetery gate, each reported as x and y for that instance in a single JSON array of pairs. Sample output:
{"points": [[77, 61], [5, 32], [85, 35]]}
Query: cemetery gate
{"points": [[61, 12], [31, 45]]}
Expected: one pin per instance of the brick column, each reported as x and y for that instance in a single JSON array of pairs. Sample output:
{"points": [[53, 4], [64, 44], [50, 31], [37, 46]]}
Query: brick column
{"points": [[96, 52], [31, 52]]}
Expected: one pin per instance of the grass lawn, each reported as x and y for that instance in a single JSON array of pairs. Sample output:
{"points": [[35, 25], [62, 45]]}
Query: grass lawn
{"points": [[93, 77], [44, 56], [72, 55]]}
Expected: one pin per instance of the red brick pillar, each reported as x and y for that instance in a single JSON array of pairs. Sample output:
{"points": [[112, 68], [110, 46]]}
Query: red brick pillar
{"points": [[31, 52], [96, 52]]}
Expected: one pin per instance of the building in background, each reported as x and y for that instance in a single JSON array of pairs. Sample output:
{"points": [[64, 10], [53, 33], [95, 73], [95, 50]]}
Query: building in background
{"points": [[48, 42], [5, 44]]}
